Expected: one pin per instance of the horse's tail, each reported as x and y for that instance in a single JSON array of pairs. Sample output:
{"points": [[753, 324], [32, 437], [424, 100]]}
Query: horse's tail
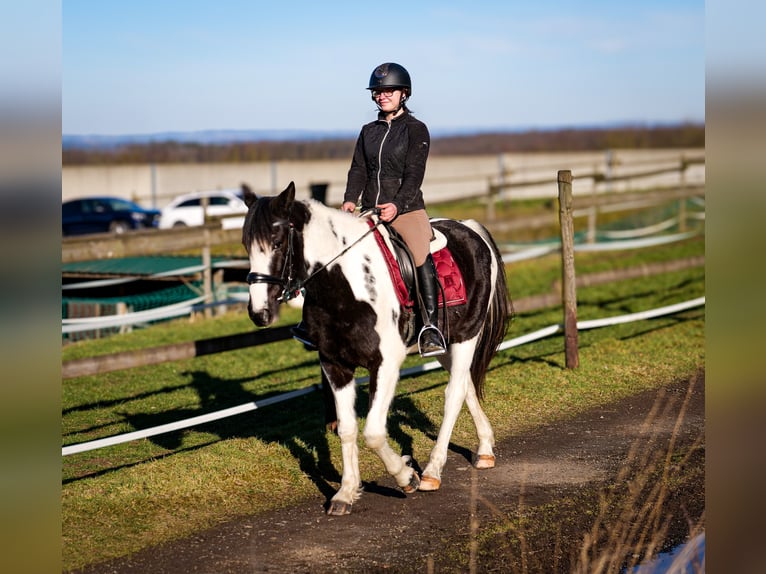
{"points": [[499, 315]]}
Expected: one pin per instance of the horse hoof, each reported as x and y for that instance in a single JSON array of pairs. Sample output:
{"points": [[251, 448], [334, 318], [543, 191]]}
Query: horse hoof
{"points": [[413, 485], [485, 461], [429, 483], [338, 508]]}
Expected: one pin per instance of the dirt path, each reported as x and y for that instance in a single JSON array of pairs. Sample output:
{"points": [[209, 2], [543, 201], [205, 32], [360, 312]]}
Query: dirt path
{"points": [[553, 476]]}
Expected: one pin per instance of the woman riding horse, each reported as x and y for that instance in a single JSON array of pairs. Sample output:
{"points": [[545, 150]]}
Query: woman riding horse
{"points": [[386, 172]]}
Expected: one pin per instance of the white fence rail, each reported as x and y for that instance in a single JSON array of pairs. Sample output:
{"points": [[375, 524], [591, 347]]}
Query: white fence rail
{"points": [[433, 365]]}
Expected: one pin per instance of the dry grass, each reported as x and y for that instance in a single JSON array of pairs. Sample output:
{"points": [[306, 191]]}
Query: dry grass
{"points": [[635, 518], [633, 522]]}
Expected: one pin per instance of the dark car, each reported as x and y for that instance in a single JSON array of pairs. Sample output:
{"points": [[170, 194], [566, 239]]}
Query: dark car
{"points": [[105, 215]]}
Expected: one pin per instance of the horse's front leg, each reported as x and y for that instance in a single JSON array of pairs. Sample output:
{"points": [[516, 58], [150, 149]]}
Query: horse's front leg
{"points": [[330, 413], [344, 391], [375, 434]]}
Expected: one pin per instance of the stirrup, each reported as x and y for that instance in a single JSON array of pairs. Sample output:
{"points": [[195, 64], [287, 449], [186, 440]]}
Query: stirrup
{"points": [[299, 334], [439, 348]]}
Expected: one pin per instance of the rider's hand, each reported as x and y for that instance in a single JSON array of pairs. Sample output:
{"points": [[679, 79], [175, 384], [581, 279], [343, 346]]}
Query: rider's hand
{"points": [[388, 211], [348, 206]]}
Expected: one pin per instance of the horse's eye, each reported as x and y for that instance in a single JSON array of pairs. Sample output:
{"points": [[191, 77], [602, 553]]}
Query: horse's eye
{"points": [[276, 245]]}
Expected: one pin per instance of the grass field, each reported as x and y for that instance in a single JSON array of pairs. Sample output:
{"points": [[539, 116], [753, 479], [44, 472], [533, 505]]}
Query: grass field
{"points": [[122, 498]]}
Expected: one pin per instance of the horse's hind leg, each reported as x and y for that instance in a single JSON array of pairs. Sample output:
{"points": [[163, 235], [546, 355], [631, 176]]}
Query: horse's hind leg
{"points": [[485, 456], [458, 364]]}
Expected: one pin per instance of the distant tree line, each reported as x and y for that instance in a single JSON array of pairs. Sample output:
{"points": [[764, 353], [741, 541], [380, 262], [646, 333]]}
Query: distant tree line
{"points": [[595, 139], [185, 152], [679, 136]]}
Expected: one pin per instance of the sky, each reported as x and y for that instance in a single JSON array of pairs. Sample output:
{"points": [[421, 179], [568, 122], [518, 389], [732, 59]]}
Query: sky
{"points": [[149, 66]]}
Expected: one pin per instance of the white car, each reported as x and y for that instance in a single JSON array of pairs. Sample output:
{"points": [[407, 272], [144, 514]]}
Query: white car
{"points": [[186, 210]]}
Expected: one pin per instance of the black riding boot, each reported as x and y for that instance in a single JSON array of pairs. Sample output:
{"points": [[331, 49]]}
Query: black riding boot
{"points": [[430, 340]]}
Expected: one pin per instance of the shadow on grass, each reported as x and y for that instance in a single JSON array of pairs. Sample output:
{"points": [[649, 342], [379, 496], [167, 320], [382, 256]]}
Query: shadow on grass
{"points": [[169, 389], [298, 424], [589, 337]]}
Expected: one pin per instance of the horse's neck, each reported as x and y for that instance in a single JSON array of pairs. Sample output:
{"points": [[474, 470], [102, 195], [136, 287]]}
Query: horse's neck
{"points": [[329, 232]]}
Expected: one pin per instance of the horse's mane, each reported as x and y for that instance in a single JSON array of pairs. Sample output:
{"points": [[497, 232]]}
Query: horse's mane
{"points": [[258, 227], [262, 219]]}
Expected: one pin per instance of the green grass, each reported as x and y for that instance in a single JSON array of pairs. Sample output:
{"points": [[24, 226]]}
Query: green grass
{"points": [[123, 498]]}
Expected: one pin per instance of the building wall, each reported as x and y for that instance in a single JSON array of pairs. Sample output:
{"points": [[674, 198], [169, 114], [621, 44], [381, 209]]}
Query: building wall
{"points": [[446, 178]]}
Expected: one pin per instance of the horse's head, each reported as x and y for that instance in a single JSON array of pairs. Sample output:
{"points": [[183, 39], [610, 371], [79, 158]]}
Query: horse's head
{"points": [[271, 236]]}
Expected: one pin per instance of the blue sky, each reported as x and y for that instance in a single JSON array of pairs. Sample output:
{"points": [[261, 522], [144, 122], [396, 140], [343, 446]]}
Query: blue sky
{"points": [[141, 67]]}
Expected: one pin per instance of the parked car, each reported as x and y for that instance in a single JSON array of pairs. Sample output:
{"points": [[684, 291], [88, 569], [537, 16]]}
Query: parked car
{"points": [[105, 215], [186, 210]]}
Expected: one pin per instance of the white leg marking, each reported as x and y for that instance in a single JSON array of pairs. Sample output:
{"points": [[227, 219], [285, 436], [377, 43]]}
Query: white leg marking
{"points": [[483, 427], [454, 396], [345, 400], [375, 429]]}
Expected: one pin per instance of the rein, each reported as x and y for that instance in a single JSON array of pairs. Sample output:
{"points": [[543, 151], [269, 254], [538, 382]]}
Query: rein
{"points": [[292, 287]]}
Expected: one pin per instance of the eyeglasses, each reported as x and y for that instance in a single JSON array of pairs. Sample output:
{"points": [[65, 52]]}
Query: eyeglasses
{"points": [[388, 92]]}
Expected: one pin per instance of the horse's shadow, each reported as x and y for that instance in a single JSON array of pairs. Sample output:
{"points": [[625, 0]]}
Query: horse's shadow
{"points": [[307, 440], [299, 424], [101, 403]]}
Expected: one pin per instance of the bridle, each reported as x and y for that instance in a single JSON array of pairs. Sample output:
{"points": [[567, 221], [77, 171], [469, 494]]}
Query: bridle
{"points": [[292, 287]]}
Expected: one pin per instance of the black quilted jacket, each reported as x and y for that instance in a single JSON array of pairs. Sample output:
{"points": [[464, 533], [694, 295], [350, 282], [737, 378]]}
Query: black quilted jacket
{"points": [[389, 164]]}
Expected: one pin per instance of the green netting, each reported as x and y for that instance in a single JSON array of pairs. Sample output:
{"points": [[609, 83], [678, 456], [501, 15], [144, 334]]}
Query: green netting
{"points": [[74, 307], [651, 216], [138, 265], [139, 302]]}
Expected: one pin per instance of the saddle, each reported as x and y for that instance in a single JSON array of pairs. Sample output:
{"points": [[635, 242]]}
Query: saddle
{"points": [[402, 269]]}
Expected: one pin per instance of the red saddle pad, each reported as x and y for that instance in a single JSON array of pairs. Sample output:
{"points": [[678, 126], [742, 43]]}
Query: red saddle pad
{"points": [[449, 275]]}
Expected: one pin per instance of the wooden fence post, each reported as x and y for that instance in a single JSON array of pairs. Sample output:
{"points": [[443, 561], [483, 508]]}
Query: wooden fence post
{"points": [[568, 287], [501, 175], [491, 198], [682, 200]]}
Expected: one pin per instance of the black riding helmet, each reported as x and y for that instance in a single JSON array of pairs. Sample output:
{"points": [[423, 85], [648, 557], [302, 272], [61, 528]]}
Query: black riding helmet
{"points": [[391, 75]]}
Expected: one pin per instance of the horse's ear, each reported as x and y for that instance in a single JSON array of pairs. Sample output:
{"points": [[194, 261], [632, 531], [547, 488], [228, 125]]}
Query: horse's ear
{"points": [[248, 195], [290, 191], [284, 200]]}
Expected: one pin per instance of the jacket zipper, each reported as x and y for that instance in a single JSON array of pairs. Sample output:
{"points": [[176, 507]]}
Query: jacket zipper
{"points": [[380, 159]]}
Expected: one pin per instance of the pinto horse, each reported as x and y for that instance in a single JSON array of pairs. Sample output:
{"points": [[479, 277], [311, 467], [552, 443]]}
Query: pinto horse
{"points": [[356, 319]]}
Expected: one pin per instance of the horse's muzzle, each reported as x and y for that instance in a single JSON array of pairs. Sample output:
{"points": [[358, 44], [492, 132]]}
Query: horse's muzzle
{"points": [[261, 318]]}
